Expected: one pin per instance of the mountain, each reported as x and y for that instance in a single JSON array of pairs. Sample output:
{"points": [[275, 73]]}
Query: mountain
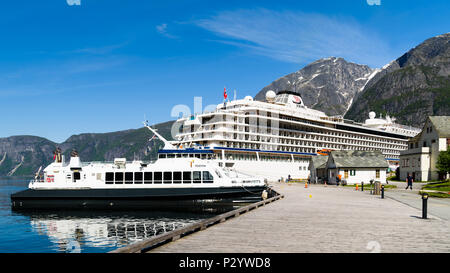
{"points": [[411, 88], [23, 155], [328, 85]]}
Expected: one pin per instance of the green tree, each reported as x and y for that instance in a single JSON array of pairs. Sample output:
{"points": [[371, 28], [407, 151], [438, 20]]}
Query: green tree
{"points": [[443, 163]]}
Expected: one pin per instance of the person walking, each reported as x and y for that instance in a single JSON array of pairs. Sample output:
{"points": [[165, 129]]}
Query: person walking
{"points": [[410, 181]]}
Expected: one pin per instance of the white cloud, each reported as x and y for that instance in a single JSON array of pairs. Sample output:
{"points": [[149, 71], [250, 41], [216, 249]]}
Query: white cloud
{"points": [[295, 36], [162, 29]]}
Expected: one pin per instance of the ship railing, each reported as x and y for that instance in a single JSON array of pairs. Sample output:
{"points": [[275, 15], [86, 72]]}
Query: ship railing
{"points": [[84, 164], [406, 127]]}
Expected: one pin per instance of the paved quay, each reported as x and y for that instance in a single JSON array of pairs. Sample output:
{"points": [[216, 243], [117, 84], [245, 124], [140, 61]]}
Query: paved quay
{"points": [[324, 219], [439, 207]]}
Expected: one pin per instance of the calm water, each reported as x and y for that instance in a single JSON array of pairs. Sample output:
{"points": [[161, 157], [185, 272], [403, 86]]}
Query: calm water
{"points": [[79, 231]]}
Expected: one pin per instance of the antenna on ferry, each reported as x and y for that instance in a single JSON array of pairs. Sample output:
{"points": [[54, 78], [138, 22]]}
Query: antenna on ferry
{"points": [[167, 144], [38, 172]]}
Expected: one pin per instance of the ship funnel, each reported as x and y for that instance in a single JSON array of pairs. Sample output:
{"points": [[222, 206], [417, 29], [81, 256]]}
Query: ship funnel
{"points": [[75, 162]]}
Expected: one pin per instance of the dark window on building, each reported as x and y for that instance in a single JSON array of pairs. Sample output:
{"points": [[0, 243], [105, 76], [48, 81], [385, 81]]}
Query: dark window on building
{"points": [[148, 178], [187, 177], [128, 178], [76, 176], [167, 177], [197, 177], [207, 177], [177, 177], [109, 178], [118, 178], [138, 178], [157, 179]]}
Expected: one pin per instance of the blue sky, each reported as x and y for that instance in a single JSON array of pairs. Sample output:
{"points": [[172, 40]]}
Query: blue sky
{"points": [[102, 65]]}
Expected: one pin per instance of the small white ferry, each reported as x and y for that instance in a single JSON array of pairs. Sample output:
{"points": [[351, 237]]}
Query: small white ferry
{"points": [[175, 179]]}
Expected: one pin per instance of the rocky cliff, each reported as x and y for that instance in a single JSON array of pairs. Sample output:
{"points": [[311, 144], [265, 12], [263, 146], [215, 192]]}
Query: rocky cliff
{"points": [[328, 85], [23, 155], [411, 88]]}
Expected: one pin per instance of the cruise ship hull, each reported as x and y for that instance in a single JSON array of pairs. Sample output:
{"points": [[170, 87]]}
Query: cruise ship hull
{"points": [[168, 198]]}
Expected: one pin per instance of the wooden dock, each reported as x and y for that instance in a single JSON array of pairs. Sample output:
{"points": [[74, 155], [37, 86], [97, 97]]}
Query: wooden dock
{"points": [[174, 235], [324, 219]]}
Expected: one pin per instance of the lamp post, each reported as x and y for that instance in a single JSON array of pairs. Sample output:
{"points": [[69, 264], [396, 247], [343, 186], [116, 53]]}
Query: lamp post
{"points": [[424, 205]]}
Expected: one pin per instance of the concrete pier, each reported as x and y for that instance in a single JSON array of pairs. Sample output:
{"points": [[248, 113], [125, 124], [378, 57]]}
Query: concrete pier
{"points": [[322, 219]]}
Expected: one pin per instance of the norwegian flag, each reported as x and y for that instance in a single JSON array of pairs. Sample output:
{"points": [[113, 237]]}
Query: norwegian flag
{"points": [[225, 96], [153, 137]]}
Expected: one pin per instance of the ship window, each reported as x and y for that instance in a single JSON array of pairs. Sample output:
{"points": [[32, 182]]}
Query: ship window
{"points": [[197, 177], [109, 178], [76, 176], [191, 155], [187, 177], [157, 177], [207, 177], [177, 177], [178, 155], [119, 178], [128, 178], [185, 155], [167, 177], [148, 178], [170, 156], [138, 178], [162, 156], [197, 155]]}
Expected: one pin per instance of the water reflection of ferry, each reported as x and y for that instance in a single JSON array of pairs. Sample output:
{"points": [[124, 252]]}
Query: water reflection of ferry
{"points": [[105, 231]]}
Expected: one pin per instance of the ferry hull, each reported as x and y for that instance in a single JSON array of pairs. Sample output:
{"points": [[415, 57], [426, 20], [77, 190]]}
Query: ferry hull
{"points": [[174, 199]]}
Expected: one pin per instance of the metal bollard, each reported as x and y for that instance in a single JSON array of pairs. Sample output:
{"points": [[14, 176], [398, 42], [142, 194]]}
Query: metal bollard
{"points": [[424, 205], [382, 191], [362, 186]]}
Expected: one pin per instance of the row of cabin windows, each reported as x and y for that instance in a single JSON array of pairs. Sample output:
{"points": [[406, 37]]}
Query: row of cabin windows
{"points": [[200, 156], [158, 177]]}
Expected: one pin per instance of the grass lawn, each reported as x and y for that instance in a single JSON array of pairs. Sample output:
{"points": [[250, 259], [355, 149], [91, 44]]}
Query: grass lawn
{"points": [[443, 189], [367, 186]]}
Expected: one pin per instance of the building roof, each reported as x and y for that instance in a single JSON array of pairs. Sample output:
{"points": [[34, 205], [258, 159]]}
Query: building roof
{"points": [[442, 125], [359, 159], [320, 161]]}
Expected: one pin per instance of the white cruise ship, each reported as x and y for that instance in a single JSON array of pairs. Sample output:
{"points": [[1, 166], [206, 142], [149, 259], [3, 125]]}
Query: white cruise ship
{"points": [[278, 137]]}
